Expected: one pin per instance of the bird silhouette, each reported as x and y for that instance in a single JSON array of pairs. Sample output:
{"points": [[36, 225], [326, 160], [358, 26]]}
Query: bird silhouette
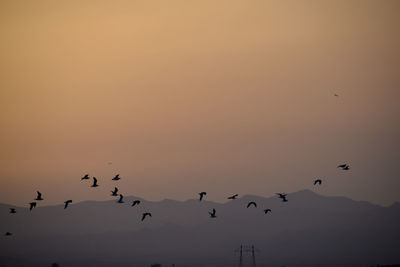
{"points": [[318, 181], [202, 194], [267, 210], [116, 178], [120, 198], [12, 210], [39, 196], [281, 195], [32, 205], [212, 214], [344, 167], [86, 177], [8, 234], [145, 214], [66, 203], [233, 197], [114, 193], [252, 203], [136, 202], [95, 182]]}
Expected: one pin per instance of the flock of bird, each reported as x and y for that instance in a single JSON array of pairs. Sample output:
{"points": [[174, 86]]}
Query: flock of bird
{"points": [[114, 192]]}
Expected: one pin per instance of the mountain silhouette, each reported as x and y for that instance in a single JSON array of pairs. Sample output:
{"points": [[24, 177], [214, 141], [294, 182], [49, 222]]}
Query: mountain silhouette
{"points": [[311, 229]]}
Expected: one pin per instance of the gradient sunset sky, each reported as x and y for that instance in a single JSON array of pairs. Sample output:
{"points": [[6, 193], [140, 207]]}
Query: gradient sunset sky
{"points": [[188, 96]]}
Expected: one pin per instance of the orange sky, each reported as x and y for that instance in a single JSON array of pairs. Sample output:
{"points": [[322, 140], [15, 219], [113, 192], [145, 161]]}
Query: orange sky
{"points": [[189, 96]]}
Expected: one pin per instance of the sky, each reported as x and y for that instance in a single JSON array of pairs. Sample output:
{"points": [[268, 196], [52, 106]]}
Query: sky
{"points": [[180, 97]]}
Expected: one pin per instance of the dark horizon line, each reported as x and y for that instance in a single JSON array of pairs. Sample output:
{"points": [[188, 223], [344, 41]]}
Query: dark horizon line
{"points": [[215, 202]]}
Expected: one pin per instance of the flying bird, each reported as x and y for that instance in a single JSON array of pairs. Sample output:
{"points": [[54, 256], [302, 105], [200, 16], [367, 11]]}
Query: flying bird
{"points": [[66, 203], [212, 214], [8, 234], [114, 193], [32, 205], [120, 198], [116, 178], [136, 202], [267, 210], [95, 182], [86, 177], [233, 197], [12, 210], [281, 195], [146, 214], [318, 181], [202, 194], [344, 167], [39, 196], [252, 203]]}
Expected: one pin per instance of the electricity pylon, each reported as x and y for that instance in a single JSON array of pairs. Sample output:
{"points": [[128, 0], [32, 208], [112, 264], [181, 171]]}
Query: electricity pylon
{"points": [[247, 249]]}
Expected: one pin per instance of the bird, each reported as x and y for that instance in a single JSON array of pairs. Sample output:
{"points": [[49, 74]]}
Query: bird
{"points": [[95, 182], [39, 196], [32, 205], [336, 95], [86, 177], [267, 210], [66, 203], [212, 214], [252, 203], [233, 197], [114, 193], [136, 202], [145, 214], [281, 195], [8, 234], [344, 167], [116, 178], [12, 210], [202, 194], [120, 198], [318, 181]]}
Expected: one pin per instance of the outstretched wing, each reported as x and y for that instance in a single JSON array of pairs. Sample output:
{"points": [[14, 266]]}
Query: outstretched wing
{"points": [[252, 203]]}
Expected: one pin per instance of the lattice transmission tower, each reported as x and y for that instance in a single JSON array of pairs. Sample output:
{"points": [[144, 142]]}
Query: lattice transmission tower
{"points": [[247, 250]]}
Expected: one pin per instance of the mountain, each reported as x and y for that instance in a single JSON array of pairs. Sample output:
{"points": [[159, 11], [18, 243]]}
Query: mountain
{"points": [[308, 229]]}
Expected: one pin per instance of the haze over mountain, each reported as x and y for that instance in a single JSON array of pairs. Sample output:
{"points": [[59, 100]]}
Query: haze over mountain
{"points": [[309, 229]]}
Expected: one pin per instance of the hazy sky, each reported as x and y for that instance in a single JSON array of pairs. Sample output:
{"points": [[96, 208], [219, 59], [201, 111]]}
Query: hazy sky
{"points": [[188, 96]]}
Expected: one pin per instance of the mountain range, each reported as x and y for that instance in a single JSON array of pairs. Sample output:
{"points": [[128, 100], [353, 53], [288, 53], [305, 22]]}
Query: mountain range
{"points": [[309, 229]]}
